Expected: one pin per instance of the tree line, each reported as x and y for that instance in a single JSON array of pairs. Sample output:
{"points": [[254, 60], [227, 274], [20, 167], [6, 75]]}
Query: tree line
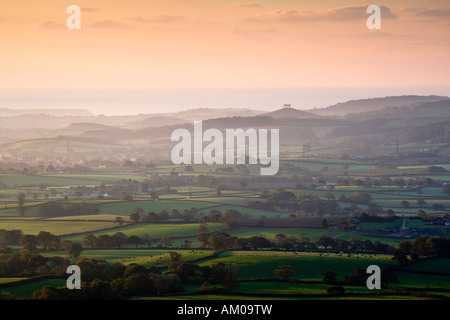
{"points": [[422, 247], [108, 281]]}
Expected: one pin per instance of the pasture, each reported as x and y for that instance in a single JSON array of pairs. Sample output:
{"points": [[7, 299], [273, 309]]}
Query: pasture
{"points": [[257, 279], [306, 266]]}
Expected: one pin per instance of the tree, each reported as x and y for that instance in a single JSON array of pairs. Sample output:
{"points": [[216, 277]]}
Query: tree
{"points": [[336, 290], [176, 259], [387, 276], [99, 290], [118, 239], [29, 242], [134, 269], [400, 257], [21, 198], [186, 244], [421, 202], [90, 240], [48, 241], [104, 241], [256, 242], [163, 215], [21, 209], [421, 213], [217, 241], [153, 195], [405, 204], [329, 276], [390, 213], [243, 185], [284, 272], [74, 250], [175, 214], [143, 187], [135, 217], [166, 241], [329, 196], [203, 228], [119, 221], [325, 241], [134, 240], [46, 293], [203, 238], [220, 188], [53, 192], [146, 239], [227, 274], [138, 284]]}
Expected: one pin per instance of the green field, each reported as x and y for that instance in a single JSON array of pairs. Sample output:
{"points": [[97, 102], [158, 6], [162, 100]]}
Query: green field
{"points": [[156, 231], [126, 208], [146, 257], [64, 227], [306, 266], [26, 290], [257, 279]]}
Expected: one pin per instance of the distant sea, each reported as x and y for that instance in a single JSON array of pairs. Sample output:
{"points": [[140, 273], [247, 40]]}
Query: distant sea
{"points": [[126, 102]]}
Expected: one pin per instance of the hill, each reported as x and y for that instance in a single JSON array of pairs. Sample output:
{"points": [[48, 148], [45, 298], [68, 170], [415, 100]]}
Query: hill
{"points": [[426, 111], [154, 121], [200, 114], [290, 113], [6, 112], [368, 105]]}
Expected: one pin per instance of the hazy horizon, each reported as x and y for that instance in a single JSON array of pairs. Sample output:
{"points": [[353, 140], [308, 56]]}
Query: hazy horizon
{"points": [[124, 49], [130, 102]]}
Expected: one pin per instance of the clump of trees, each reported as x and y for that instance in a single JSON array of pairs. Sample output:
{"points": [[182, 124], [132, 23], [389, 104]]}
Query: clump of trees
{"points": [[26, 264], [10, 237], [422, 248], [44, 241], [359, 277], [105, 281], [116, 240]]}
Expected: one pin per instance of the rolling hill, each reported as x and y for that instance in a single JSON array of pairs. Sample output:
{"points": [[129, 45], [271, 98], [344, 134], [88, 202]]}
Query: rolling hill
{"points": [[370, 105], [291, 113], [6, 112], [154, 121]]}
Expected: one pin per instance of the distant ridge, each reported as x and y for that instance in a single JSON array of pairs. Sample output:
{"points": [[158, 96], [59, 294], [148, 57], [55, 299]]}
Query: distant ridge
{"points": [[6, 112], [212, 113], [366, 105], [285, 113], [155, 121]]}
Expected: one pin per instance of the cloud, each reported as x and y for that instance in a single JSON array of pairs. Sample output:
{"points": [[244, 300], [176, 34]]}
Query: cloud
{"points": [[437, 13], [87, 9], [162, 18], [107, 24], [52, 25], [246, 5], [333, 14]]}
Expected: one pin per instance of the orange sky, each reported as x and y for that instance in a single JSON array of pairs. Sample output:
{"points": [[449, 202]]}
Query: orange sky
{"points": [[141, 44]]}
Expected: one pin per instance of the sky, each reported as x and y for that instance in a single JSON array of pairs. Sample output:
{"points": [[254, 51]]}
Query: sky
{"points": [[149, 56]]}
